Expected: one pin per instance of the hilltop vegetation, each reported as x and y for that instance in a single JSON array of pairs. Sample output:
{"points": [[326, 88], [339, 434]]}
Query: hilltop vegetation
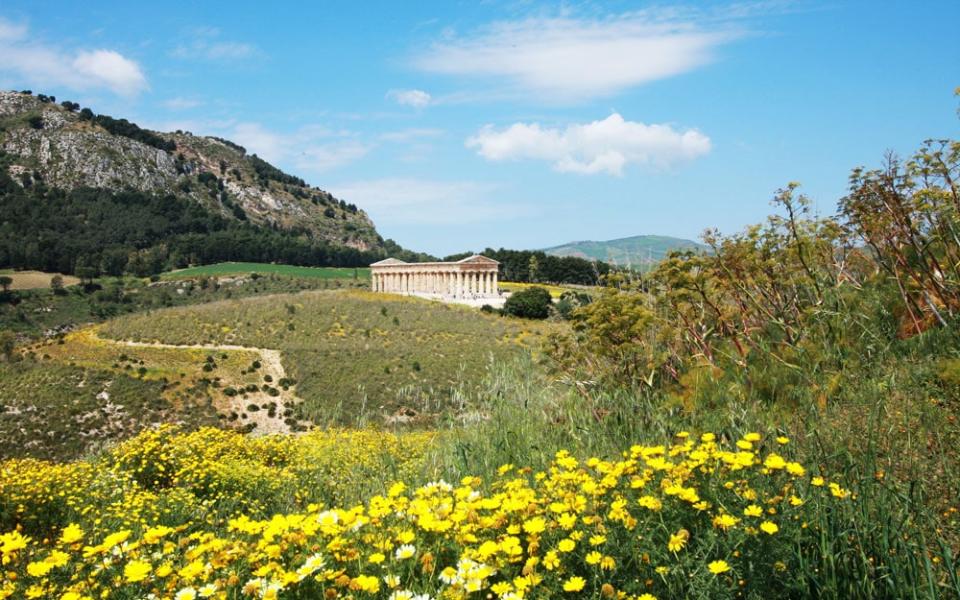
{"points": [[639, 252], [84, 192]]}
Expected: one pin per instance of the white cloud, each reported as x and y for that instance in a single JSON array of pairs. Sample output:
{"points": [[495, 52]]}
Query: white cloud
{"points": [[411, 201], [571, 59], [47, 66], [111, 69], [414, 98], [605, 146]]}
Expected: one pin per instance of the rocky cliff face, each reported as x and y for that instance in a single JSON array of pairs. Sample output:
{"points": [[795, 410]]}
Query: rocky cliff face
{"points": [[67, 149]]}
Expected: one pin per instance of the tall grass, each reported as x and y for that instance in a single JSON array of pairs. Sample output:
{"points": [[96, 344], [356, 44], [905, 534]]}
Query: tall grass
{"points": [[890, 542]]}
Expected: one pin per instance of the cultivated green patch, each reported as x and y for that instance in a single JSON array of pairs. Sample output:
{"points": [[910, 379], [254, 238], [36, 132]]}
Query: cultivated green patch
{"points": [[247, 268]]}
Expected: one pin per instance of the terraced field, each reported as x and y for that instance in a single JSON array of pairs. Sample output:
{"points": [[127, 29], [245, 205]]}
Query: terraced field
{"points": [[357, 357]]}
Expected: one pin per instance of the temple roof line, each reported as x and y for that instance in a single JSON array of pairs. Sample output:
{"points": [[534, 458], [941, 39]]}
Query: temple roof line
{"points": [[474, 259]]}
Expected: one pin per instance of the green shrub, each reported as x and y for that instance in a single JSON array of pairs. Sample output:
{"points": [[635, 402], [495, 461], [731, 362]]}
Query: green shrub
{"points": [[531, 303]]}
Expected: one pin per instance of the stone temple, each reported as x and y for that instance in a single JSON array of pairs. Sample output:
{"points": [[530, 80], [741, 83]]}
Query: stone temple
{"points": [[472, 280]]}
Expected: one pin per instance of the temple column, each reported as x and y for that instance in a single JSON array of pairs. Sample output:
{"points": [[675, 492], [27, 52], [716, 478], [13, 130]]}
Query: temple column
{"points": [[485, 283], [496, 288]]}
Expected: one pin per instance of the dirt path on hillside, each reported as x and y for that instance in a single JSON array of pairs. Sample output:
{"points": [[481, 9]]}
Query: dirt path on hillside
{"points": [[270, 364]]}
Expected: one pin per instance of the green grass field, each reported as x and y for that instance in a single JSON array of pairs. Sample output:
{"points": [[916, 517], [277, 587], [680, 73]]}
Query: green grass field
{"points": [[357, 357], [244, 268]]}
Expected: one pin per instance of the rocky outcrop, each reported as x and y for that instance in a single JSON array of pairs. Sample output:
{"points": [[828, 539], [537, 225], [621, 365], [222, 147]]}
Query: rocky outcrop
{"points": [[68, 151]]}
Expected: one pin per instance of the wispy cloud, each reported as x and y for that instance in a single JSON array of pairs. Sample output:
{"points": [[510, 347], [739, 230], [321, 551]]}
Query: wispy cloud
{"points": [[310, 148], [45, 65], [606, 146], [412, 201], [569, 59], [205, 43], [413, 98], [179, 103]]}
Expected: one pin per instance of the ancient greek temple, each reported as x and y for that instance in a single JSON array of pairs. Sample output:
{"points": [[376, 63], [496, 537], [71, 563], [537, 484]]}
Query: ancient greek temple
{"points": [[474, 277]]}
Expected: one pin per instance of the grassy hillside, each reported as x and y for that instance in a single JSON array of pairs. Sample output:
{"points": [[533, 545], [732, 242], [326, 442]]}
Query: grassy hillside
{"points": [[42, 312], [356, 356], [57, 411], [640, 251]]}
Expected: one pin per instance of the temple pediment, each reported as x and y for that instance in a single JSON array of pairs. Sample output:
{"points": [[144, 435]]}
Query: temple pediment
{"points": [[477, 259], [388, 261]]}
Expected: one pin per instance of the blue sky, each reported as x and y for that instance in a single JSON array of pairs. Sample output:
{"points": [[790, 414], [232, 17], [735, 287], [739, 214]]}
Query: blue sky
{"points": [[461, 125]]}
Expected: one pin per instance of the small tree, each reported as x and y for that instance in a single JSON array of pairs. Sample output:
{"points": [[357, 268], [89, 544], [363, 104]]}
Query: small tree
{"points": [[56, 284], [531, 303], [5, 282]]}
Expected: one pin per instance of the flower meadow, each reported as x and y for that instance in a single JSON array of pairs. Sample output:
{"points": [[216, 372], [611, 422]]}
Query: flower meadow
{"points": [[213, 514]]}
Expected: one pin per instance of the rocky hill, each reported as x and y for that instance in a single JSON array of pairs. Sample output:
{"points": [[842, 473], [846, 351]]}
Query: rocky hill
{"points": [[68, 148], [639, 251]]}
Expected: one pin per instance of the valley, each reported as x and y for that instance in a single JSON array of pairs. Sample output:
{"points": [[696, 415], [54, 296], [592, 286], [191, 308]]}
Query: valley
{"points": [[219, 378]]}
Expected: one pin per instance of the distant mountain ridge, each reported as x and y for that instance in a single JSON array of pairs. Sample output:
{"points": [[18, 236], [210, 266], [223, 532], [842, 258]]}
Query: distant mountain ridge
{"points": [[639, 251]]}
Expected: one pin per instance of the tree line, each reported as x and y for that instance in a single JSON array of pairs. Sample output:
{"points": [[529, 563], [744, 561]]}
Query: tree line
{"points": [[536, 266], [90, 231]]}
